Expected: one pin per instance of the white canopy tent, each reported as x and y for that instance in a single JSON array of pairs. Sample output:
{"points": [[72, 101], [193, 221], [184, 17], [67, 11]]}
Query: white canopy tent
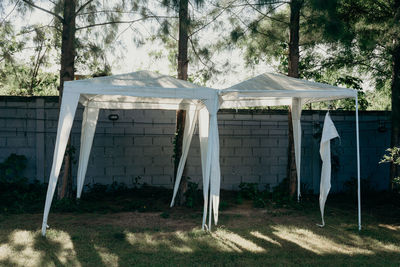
{"points": [[271, 89], [139, 90]]}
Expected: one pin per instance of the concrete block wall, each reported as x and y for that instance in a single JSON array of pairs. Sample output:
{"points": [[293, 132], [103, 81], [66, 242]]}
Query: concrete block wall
{"points": [[253, 145]]}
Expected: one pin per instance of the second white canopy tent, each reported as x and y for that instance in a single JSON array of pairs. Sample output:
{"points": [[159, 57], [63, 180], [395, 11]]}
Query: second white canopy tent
{"points": [[271, 89]]}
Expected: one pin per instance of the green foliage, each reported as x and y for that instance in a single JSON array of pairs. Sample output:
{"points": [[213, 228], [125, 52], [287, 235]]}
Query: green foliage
{"points": [[350, 187], [11, 170], [393, 157], [21, 196], [331, 50], [20, 71], [16, 79], [280, 194], [165, 215], [16, 194], [136, 183], [193, 195], [116, 197], [9, 43], [250, 191], [278, 197], [369, 33]]}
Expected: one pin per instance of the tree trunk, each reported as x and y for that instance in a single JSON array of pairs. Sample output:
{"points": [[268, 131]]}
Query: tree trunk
{"points": [[395, 86], [67, 74], [293, 71], [183, 75], [294, 55]]}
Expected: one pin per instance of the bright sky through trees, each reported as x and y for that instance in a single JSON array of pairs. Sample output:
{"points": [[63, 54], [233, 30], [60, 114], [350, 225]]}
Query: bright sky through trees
{"points": [[135, 51]]}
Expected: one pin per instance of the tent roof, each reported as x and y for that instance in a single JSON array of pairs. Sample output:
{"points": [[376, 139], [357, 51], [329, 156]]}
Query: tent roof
{"points": [[278, 89], [141, 89]]}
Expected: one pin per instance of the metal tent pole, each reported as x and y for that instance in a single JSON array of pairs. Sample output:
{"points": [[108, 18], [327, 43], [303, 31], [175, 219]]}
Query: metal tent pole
{"points": [[358, 167]]}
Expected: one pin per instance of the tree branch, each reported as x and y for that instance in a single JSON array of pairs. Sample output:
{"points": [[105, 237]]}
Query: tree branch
{"points": [[211, 21], [266, 15], [12, 10], [120, 22], [83, 6], [44, 10], [195, 52], [106, 11]]}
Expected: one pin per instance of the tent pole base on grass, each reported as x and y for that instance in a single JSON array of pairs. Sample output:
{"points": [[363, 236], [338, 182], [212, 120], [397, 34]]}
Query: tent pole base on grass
{"points": [[358, 167]]}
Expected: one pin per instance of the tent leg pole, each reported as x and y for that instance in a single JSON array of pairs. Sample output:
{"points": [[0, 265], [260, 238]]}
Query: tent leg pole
{"points": [[358, 167]]}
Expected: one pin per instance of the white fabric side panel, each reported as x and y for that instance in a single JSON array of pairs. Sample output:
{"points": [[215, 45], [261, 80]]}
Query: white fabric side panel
{"points": [[296, 114], [212, 169], [89, 122], [204, 118], [215, 180], [66, 118], [155, 104], [329, 132], [190, 123]]}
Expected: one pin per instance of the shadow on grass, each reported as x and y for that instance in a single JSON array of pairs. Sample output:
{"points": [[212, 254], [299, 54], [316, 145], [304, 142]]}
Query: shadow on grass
{"points": [[253, 239]]}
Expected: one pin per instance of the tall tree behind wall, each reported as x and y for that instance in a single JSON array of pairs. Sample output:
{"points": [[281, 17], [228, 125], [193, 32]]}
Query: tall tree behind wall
{"points": [[91, 14], [370, 34], [183, 75], [293, 71], [184, 32], [271, 28]]}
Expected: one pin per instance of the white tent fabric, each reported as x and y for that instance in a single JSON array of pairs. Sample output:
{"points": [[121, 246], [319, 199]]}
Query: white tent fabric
{"points": [[296, 114], [271, 89], [190, 123], [209, 139], [137, 90], [89, 122], [329, 132]]}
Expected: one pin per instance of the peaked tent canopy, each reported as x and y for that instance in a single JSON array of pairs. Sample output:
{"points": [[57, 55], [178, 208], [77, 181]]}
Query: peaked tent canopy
{"points": [[271, 89], [139, 90]]}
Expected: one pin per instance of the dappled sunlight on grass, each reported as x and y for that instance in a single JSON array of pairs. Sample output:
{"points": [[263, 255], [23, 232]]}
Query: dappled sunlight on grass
{"points": [[186, 242], [236, 242], [108, 258], [316, 243], [373, 244], [264, 237], [254, 239], [390, 227], [20, 249], [65, 253], [151, 242]]}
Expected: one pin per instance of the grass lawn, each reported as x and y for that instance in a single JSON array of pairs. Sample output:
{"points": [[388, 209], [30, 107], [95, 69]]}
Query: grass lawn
{"points": [[245, 236]]}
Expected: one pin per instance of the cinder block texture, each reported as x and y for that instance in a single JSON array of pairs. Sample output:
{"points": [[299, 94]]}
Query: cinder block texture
{"points": [[253, 145]]}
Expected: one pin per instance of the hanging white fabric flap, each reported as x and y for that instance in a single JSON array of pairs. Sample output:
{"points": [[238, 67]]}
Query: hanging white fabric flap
{"points": [[215, 180], [296, 114], [89, 122], [190, 123], [212, 169], [329, 132], [66, 118], [204, 126]]}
